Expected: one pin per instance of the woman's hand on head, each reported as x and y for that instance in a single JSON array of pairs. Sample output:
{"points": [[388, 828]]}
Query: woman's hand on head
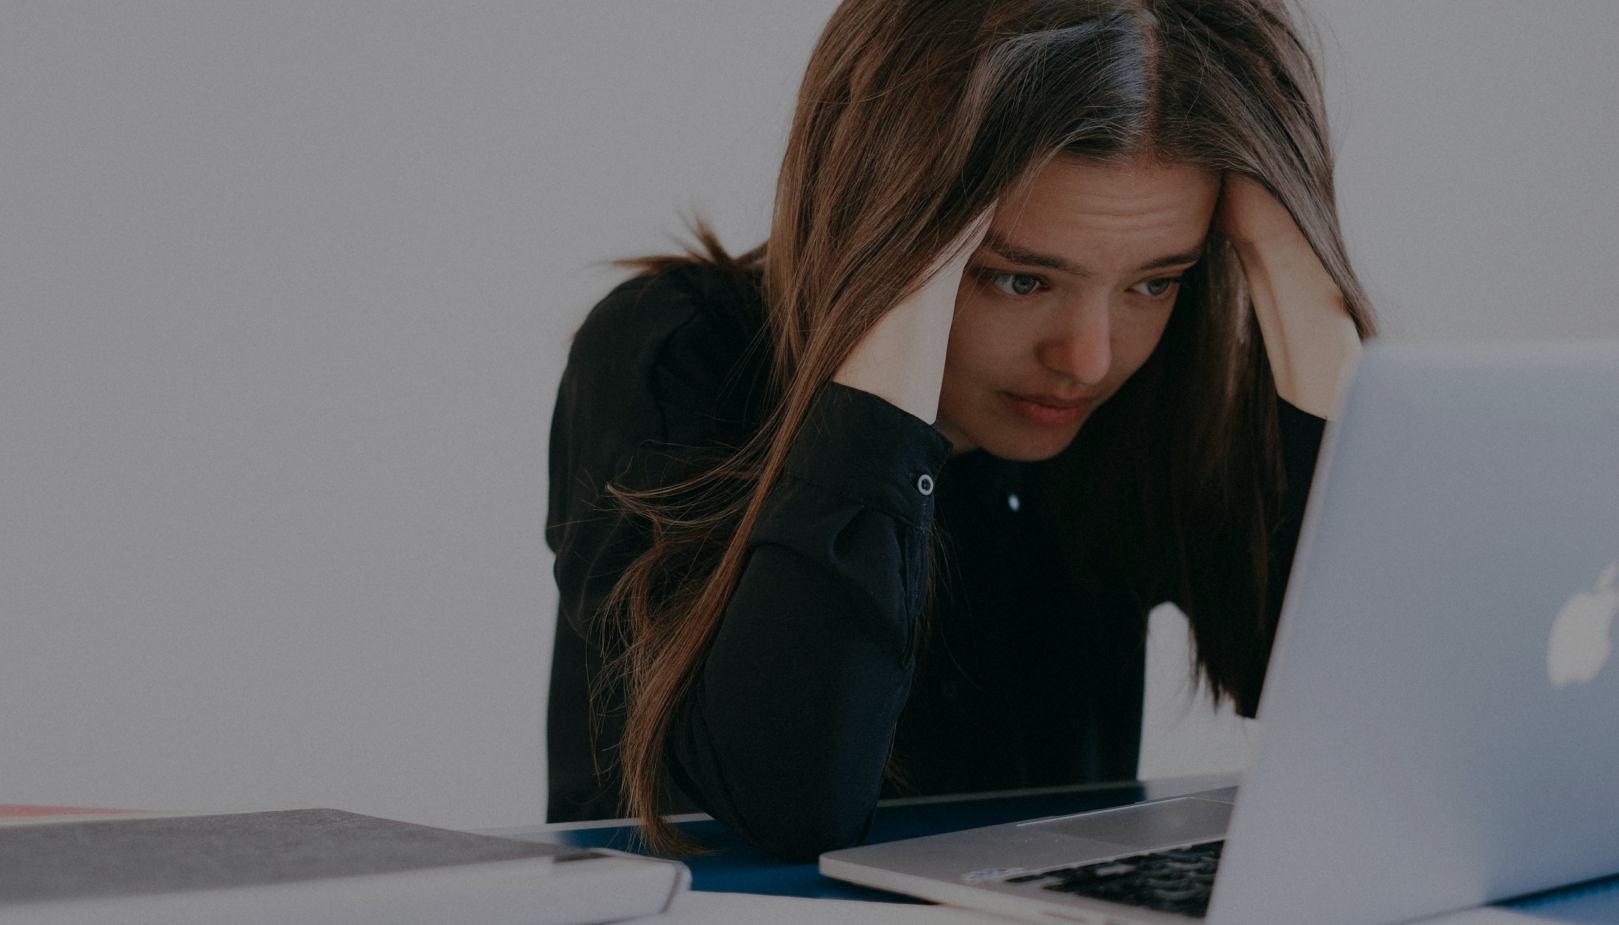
{"points": [[1250, 216], [901, 359], [1309, 337]]}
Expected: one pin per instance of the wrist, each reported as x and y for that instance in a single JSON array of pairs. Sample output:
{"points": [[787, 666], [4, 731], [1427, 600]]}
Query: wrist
{"points": [[901, 359]]}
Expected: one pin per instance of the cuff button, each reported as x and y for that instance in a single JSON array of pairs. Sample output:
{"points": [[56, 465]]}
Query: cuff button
{"points": [[924, 484]]}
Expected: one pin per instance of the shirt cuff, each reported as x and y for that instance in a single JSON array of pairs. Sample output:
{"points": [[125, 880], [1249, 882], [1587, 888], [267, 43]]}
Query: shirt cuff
{"points": [[864, 448]]}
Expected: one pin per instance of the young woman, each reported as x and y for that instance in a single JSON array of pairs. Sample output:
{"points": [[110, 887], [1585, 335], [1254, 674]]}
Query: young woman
{"points": [[1053, 305]]}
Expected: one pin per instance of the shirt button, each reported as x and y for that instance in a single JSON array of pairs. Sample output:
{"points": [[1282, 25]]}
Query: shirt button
{"points": [[1014, 502], [924, 484]]}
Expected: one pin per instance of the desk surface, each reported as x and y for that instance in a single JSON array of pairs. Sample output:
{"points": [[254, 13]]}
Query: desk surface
{"points": [[737, 867]]}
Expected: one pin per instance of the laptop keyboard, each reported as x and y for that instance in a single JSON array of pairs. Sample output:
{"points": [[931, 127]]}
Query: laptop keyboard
{"points": [[1178, 880]]}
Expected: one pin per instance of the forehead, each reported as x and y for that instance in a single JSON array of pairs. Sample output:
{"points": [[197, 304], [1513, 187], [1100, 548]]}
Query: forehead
{"points": [[1088, 211]]}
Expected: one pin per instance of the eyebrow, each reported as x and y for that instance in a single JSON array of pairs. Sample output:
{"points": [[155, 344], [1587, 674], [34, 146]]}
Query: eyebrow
{"points": [[1011, 252]]}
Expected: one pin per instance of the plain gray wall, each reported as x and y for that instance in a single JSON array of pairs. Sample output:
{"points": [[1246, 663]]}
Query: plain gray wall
{"points": [[287, 288], [1478, 173]]}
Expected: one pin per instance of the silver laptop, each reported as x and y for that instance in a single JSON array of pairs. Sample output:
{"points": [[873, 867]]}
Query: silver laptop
{"points": [[1441, 717]]}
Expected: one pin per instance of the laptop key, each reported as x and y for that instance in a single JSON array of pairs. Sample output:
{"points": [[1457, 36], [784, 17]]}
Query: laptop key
{"points": [[1177, 881]]}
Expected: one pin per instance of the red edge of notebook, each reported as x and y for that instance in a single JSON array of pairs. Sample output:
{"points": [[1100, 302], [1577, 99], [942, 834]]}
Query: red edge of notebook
{"points": [[11, 810]]}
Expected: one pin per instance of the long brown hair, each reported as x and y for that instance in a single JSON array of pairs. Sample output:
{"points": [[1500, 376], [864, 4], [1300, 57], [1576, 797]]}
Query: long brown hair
{"points": [[914, 117]]}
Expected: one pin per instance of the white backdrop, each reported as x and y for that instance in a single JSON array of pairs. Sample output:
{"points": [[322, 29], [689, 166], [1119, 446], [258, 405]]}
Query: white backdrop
{"points": [[287, 288]]}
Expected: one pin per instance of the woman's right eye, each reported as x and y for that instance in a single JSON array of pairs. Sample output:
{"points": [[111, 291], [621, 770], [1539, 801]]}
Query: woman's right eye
{"points": [[1016, 284]]}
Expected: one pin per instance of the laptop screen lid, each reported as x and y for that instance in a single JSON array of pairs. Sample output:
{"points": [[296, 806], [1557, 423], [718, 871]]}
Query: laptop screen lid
{"points": [[1440, 723]]}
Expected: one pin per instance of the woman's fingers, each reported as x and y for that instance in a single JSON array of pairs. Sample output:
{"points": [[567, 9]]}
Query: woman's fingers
{"points": [[1309, 337], [953, 262], [1249, 215]]}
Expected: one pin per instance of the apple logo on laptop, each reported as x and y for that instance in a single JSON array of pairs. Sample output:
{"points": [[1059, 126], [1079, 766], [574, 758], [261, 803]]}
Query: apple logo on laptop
{"points": [[1579, 644]]}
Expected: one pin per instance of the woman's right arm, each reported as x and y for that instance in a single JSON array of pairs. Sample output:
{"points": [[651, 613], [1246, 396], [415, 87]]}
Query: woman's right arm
{"points": [[786, 728]]}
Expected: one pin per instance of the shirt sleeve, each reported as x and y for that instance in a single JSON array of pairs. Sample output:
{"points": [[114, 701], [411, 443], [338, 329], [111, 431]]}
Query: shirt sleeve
{"points": [[785, 729], [1301, 434]]}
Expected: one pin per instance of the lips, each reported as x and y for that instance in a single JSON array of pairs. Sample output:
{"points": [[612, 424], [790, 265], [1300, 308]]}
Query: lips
{"points": [[1049, 410]]}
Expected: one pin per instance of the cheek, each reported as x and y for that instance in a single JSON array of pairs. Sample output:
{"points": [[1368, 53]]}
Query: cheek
{"points": [[984, 347], [1134, 341]]}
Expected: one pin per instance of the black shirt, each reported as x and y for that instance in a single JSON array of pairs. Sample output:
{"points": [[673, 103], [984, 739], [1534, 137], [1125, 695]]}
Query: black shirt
{"points": [[1015, 678]]}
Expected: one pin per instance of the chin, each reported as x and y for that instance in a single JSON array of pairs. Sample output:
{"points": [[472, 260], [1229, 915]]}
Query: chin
{"points": [[1020, 444]]}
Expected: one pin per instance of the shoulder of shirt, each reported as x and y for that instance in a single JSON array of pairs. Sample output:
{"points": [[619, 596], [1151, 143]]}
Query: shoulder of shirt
{"points": [[687, 333], [652, 300]]}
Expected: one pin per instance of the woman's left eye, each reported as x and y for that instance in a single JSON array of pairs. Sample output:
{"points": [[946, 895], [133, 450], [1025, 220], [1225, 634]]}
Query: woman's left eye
{"points": [[1156, 287]]}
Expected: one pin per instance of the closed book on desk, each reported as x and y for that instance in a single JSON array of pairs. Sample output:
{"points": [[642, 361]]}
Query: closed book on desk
{"points": [[310, 865]]}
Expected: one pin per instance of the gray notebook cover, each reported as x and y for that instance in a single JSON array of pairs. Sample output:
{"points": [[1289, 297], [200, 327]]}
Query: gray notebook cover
{"points": [[128, 857]]}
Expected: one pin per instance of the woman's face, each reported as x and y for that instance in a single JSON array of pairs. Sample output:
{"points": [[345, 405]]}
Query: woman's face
{"points": [[1066, 298]]}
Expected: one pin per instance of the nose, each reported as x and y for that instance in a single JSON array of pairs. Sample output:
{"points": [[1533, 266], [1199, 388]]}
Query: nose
{"points": [[1080, 347]]}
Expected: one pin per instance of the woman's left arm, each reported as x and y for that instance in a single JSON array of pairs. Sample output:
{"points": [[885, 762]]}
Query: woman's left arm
{"points": [[1309, 336]]}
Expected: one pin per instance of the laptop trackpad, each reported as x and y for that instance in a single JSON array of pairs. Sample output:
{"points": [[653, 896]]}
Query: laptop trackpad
{"points": [[1186, 820]]}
